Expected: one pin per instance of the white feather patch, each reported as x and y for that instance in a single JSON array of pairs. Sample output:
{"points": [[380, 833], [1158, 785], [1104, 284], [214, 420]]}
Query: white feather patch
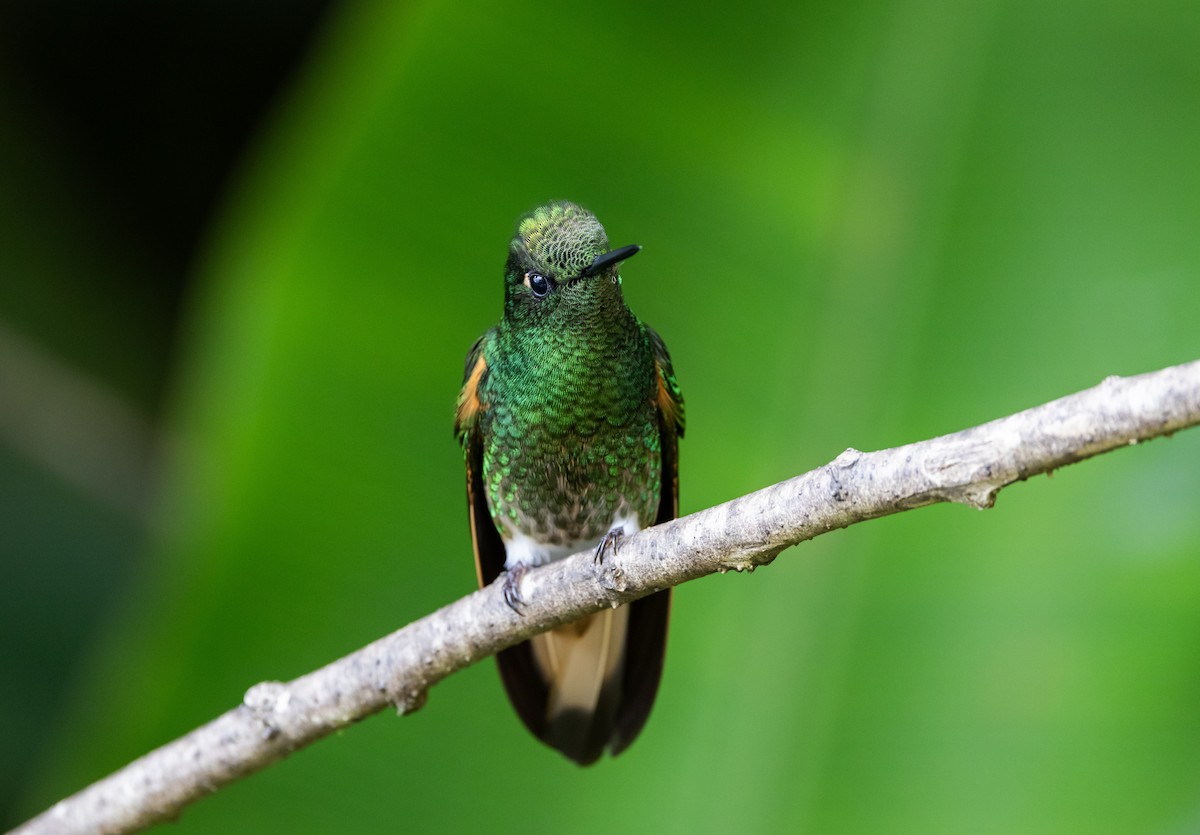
{"points": [[525, 550]]}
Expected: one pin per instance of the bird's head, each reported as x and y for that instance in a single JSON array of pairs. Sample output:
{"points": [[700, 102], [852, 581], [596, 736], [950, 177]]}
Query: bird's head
{"points": [[560, 267]]}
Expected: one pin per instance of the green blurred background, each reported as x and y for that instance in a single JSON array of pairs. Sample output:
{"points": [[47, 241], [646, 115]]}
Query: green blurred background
{"points": [[244, 251]]}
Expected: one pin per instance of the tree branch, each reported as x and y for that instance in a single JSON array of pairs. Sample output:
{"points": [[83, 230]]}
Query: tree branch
{"points": [[968, 467]]}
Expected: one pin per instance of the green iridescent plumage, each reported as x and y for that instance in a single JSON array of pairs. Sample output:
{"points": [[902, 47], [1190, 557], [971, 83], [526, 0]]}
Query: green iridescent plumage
{"points": [[557, 463], [571, 430], [570, 417]]}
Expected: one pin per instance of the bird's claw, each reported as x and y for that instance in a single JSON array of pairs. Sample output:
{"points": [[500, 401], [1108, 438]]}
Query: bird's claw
{"points": [[512, 587], [612, 538]]}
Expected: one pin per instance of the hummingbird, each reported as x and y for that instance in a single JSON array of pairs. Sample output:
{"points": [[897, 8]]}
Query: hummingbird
{"points": [[569, 418]]}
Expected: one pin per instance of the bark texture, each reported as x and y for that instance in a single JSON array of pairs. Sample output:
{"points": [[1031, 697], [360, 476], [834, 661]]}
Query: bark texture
{"points": [[968, 467]]}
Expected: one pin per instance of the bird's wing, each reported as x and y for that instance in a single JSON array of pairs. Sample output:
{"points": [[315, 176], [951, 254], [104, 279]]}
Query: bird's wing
{"points": [[647, 631], [489, 548], [525, 685]]}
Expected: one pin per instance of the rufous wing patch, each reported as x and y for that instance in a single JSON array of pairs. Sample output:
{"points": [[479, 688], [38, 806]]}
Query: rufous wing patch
{"points": [[469, 404], [668, 404]]}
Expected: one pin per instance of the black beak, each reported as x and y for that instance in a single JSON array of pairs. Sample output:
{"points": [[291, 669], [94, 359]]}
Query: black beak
{"points": [[602, 262]]}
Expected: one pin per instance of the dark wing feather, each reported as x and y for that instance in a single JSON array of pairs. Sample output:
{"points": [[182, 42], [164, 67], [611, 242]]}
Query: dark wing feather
{"points": [[489, 548], [526, 688], [646, 641]]}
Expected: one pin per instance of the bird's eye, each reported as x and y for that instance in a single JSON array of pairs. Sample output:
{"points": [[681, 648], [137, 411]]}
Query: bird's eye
{"points": [[539, 285]]}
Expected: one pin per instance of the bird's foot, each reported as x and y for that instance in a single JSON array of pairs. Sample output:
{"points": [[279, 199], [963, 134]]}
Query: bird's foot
{"points": [[512, 586], [612, 538]]}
